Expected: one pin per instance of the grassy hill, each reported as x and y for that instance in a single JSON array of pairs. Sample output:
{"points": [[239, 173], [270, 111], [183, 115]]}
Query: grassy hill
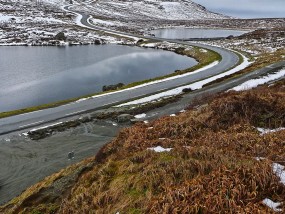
{"points": [[219, 163]]}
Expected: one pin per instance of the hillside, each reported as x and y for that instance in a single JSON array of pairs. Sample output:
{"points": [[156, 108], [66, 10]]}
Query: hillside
{"points": [[223, 156], [151, 9], [37, 22]]}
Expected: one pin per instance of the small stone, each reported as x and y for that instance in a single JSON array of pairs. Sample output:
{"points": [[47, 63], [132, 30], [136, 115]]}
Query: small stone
{"points": [[123, 118]]}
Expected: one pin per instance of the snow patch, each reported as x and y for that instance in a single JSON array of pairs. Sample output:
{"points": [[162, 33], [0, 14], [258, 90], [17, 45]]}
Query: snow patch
{"points": [[278, 169], [271, 204], [140, 116], [260, 81], [102, 22], [44, 127], [160, 149], [266, 131], [6, 18]]}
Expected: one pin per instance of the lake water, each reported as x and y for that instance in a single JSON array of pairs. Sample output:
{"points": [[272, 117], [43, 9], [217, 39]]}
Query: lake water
{"points": [[190, 33], [37, 75]]}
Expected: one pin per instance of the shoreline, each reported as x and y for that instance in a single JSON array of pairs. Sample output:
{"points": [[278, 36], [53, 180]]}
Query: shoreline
{"points": [[64, 102]]}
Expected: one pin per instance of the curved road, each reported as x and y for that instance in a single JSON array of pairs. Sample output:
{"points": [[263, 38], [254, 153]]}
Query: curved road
{"points": [[33, 119]]}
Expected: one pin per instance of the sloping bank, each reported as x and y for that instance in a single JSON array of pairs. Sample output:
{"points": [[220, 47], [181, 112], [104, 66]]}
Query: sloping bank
{"points": [[210, 159]]}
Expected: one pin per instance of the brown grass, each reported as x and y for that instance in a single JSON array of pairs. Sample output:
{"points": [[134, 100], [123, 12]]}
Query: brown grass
{"points": [[211, 169]]}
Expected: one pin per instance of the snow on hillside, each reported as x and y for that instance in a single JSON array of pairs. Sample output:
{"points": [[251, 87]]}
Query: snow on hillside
{"points": [[26, 22], [152, 9], [37, 22]]}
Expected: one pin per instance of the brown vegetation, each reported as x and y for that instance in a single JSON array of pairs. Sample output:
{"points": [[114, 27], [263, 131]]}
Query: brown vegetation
{"points": [[212, 167]]}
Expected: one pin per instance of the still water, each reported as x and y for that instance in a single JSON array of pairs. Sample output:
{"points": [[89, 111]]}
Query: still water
{"points": [[190, 33], [37, 75]]}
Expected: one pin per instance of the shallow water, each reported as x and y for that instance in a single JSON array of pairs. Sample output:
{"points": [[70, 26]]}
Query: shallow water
{"points": [[25, 162], [38, 75]]}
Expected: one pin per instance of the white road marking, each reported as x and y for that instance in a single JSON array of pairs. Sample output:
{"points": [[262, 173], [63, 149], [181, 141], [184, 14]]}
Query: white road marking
{"points": [[75, 112], [111, 103], [31, 124]]}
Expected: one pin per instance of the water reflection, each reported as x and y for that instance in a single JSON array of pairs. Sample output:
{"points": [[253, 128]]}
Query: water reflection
{"points": [[38, 75], [187, 33]]}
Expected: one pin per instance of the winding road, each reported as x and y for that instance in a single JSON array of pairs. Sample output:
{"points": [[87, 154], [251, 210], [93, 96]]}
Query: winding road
{"points": [[34, 119]]}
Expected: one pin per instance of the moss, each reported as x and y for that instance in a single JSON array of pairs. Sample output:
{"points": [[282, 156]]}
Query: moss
{"points": [[165, 157], [134, 193], [135, 211]]}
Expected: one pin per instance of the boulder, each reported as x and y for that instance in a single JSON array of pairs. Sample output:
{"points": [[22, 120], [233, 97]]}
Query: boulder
{"points": [[123, 118], [85, 119], [185, 90], [97, 42], [112, 87], [60, 36]]}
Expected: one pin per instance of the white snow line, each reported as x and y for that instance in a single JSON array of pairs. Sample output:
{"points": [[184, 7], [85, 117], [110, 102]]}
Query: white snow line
{"points": [[31, 124], [153, 82], [271, 204], [193, 86], [259, 81], [44, 127], [31, 112], [140, 116], [266, 131], [160, 149]]}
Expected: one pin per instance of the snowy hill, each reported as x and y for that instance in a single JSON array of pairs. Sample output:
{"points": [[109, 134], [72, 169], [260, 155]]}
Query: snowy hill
{"points": [[37, 22], [152, 9]]}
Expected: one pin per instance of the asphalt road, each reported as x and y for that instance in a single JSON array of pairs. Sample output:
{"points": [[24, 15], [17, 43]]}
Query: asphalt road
{"points": [[38, 118]]}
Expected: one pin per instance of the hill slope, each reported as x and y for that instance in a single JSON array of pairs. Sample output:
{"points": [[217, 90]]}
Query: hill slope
{"points": [[217, 161], [152, 9]]}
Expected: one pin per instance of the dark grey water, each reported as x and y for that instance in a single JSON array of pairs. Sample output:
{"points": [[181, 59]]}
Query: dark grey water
{"points": [[37, 75], [189, 33]]}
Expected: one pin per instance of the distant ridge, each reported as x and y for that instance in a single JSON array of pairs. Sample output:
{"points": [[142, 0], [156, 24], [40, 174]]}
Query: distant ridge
{"points": [[153, 9]]}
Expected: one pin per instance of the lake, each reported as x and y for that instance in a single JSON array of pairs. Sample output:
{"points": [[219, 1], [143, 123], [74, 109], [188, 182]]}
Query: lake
{"points": [[37, 75], [190, 33]]}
